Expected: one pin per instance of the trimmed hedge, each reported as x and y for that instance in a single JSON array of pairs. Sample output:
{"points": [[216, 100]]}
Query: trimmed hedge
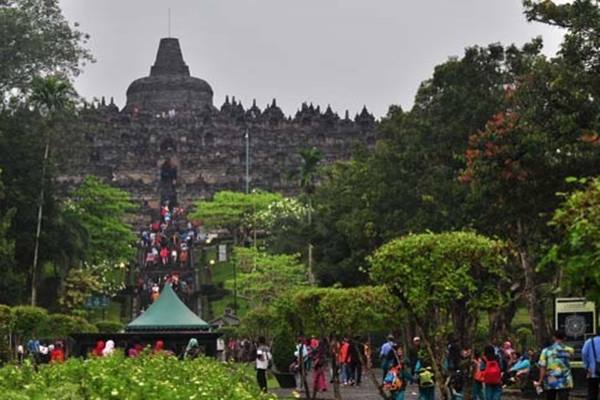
{"points": [[109, 326]]}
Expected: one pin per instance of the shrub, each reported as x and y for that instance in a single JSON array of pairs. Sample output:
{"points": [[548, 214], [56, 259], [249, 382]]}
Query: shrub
{"points": [[109, 326], [29, 321], [59, 326], [148, 377]]}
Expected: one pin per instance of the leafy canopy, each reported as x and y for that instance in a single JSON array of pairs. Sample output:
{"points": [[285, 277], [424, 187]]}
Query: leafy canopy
{"points": [[432, 272], [37, 40], [264, 277], [578, 253]]}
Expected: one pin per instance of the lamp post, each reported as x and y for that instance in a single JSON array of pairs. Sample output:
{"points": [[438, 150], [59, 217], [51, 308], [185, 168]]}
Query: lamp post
{"points": [[247, 136]]}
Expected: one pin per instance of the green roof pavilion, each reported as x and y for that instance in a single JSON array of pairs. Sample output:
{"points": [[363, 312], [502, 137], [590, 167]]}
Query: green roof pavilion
{"points": [[168, 313]]}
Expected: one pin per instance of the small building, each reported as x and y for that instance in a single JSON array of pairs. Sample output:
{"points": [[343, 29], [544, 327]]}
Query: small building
{"points": [[227, 319], [168, 319]]}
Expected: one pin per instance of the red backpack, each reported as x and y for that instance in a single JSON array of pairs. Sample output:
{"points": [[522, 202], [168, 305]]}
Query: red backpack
{"points": [[492, 375]]}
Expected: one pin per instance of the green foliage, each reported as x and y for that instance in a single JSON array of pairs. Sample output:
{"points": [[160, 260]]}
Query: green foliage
{"points": [[101, 211], [37, 41], [117, 377], [109, 326], [234, 211], [264, 277], [286, 222], [578, 253], [346, 311], [29, 321], [409, 181], [436, 271], [443, 281], [52, 94]]}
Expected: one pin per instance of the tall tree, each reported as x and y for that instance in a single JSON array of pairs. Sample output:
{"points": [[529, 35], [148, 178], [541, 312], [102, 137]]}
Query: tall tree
{"points": [[307, 175], [37, 40], [52, 96], [409, 182]]}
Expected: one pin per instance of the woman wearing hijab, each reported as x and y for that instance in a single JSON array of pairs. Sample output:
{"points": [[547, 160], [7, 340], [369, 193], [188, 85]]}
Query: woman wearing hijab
{"points": [[97, 352], [109, 348], [192, 350]]}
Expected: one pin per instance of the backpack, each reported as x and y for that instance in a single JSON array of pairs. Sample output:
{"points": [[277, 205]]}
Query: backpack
{"points": [[492, 374], [392, 380], [425, 378]]}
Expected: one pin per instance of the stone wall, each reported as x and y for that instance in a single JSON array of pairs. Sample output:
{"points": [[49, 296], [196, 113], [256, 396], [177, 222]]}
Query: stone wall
{"points": [[209, 149]]}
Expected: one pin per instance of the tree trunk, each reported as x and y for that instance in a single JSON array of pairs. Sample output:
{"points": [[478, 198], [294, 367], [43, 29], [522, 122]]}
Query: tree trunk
{"points": [[534, 302], [38, 230], [500, 320], [311, 275]]}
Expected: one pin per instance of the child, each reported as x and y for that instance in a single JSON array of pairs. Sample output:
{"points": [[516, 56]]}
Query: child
{"points": [[396, 379], [425, 380]]}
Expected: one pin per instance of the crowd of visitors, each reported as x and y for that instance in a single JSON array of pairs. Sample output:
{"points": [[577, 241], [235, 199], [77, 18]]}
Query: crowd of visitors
{"points": [[134, 349], [166, 255], [40, 352], [167, 241], [488, 372]]}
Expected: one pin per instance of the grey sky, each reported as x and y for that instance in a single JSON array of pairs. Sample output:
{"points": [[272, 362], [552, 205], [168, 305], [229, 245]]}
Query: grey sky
{"points": [[340, 52]]}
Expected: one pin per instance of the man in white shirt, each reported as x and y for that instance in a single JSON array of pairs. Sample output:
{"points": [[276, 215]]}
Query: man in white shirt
{"points": [[263, 361]]}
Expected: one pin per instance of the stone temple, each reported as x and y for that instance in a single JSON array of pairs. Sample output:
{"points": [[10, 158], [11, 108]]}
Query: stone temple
{"points": [[171, 142]]}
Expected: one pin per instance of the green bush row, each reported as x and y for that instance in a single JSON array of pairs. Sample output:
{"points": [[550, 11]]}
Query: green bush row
{"points": [[116, 377], [20, 323]]}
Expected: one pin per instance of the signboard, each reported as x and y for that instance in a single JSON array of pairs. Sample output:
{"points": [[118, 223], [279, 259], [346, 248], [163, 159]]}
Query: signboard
{"points": [[576, 316], [222, 253], [97, 302]]}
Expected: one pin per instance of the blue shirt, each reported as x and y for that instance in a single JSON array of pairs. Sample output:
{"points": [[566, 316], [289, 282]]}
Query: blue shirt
{"points": [[588, 357], [386, 348]]}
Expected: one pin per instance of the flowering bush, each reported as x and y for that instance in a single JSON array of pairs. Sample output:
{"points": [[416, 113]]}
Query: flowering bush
{"points": [[147, 377]]}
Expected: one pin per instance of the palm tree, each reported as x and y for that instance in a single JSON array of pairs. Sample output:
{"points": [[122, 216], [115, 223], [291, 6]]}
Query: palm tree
{"points": [[308, 175], [51, 96]]}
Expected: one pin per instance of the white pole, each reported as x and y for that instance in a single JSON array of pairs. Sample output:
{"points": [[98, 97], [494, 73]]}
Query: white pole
{"points": [[247, 136]]}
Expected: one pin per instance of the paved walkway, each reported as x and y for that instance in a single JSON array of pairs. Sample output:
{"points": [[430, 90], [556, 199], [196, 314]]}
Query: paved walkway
{"points": [[367, 391]]}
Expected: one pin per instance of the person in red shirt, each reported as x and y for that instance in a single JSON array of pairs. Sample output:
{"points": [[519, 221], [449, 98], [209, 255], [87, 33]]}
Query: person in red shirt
{"points": [[344, 361], [164, 256], [98, 349], [58, 354]]}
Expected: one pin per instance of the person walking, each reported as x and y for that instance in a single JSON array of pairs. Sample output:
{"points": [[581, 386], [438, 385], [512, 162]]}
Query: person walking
{"points": [[591, 361], [492, 374], [263, 361], [555, 369], [319, 356], [386, 355]]}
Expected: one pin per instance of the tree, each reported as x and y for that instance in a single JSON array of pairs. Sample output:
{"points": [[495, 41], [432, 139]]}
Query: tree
{"points": [[264, 277], [52, 96], [101, 211], [285, 222], [10, 283], [329, 312], [408, 183], [307, 175], [578, 251], [234, 211], [443, 281], [37, 40]]}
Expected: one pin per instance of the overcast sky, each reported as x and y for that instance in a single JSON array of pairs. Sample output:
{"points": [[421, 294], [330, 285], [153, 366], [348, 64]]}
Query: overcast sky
{"points": [[347, 53]]}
